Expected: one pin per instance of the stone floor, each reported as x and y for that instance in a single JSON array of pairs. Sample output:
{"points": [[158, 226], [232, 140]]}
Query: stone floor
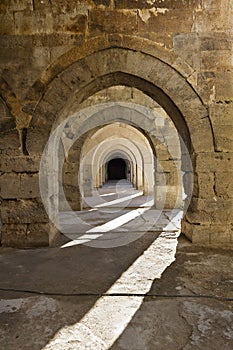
{"points": [[115, 215], [155, 292]]}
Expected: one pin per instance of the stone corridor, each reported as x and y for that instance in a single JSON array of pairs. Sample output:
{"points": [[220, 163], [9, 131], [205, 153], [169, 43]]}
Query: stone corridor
{"points": [[116, 186]]}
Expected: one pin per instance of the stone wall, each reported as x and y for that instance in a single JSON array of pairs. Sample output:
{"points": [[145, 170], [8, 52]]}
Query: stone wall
{"points": [[56, 54]]}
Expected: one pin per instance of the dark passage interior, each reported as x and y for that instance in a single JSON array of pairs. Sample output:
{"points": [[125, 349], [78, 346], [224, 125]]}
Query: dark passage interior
{"points": [[116, 169]]}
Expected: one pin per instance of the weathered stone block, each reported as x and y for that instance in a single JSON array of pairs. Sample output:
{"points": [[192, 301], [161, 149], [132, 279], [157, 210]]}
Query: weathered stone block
{"points": [[215, 60], [75, 205], [163, 154], [71, 191], [29, 187], [204, 185], [71, 179], [221, 114], [23, 212], [221, 235], [9, 142], [24, 235], [181, 41], [19, 164], [220, 210], [215, 41], [103, 2], [15, 5], [74, 153], [198, 218], [70, 167], [206, 85], [19, 186], [36, 140], [206, 235], [167, 166], [197, 234], [187, 161], [165, 21], [201, 141], [112, 22], [57, 42], [77, 75], [214, 235], [224, 184], [223, 135], [214, 162], [224, 86], [6, 124], [10, 186], [111, 60], [133, 4], [205, 21], [70, 23], [7, 23], [39, 234], [12, 41], [33, 22], [4, 112], [174, 179], [173, 197], [13, 235], [40, 57], [151, 22], [57, 94], [165, 4]]}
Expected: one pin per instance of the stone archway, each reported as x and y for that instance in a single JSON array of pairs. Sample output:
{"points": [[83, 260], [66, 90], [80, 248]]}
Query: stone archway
{"points": [[156, 78], [166, 196], [118, 137], [125, 150]]}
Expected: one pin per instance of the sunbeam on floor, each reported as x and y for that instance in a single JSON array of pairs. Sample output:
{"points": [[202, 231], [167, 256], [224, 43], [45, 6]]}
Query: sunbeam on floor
{"points": [[111, 314]]}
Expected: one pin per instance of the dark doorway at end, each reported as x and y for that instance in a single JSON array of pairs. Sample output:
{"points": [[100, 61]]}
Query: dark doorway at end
{"points": [[116, 169]]}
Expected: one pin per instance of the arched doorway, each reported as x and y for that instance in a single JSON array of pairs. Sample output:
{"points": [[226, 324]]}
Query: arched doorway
{"points": [[115, 140], [116, 169], [158, 79]]}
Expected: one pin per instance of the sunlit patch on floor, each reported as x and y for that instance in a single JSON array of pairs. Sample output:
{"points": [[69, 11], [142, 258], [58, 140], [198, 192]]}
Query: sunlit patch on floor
{"points": [[110, 315]]}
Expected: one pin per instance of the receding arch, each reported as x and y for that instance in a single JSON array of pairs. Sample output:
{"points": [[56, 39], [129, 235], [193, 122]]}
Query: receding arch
{"points": [[123, 138], [157, 79], [127, 151], [94, 161], [94, 117], [100, 43], [120, 66]]}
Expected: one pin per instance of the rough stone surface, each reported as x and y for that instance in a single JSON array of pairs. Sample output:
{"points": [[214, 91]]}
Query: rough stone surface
{"points": [[25, 235], [183, 312]]}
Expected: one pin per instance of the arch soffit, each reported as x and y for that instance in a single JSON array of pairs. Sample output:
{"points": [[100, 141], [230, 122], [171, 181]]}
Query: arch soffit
{"points": [[101, 157], [103, 42], [89, 118], [128, 148], [128, 133], [125, 153]]}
